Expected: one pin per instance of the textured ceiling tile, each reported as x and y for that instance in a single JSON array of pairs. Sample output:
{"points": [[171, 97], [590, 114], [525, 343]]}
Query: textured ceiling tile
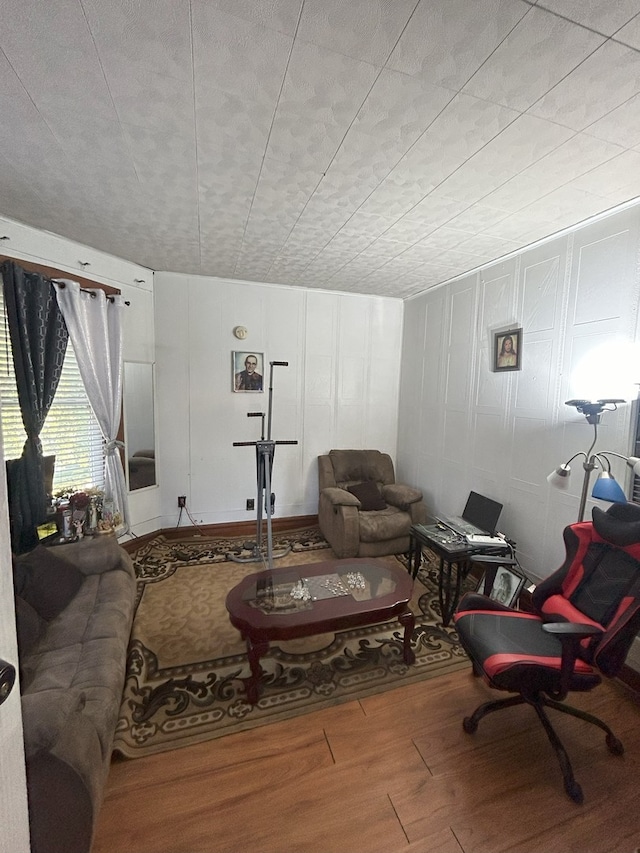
{"points": [[399, 108], [562, 202], [321, 96], [521, 229], [601, 15], [358, 168], [126, 139], [51, 49], [237, 56], [620, 175], [477, 218], [373, 225], [517, 147], [574, 157], [155, 101], [621, 125], [444, 238], [536, 55], [604, 81], [385, 249], [362, 29], [125, 33], [630, 33], [407, 230], [488, 245], [348, 243], [166, 155], [463, 128], [519, 191], [436, 209], [446, 41], [281, 15], [230, 124], [281, 195]]}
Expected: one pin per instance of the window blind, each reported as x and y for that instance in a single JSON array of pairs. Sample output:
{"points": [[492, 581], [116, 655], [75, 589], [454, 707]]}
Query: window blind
{"points": [[70, 432]]}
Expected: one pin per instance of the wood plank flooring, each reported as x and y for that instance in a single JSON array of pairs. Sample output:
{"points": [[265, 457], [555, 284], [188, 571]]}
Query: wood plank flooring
{"points": [[392, 773]]}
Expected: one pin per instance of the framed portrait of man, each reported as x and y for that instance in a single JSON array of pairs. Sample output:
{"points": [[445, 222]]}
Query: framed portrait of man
{"points": [[507, 350], [247, 374]]}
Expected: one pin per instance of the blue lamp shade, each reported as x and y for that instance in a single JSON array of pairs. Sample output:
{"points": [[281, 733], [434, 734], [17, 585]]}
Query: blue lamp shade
{"points": [[607, 489]]}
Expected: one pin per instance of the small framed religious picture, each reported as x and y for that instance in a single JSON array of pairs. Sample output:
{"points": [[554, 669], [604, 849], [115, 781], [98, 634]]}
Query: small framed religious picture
{"points": [[507, 350], [504, 586], [247, 371]]}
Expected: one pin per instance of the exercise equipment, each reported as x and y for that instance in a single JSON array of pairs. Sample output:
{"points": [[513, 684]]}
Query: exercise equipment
{"points": [[265, 449]]}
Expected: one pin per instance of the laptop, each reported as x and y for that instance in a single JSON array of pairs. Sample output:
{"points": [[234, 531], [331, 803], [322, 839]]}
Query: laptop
{"points": [[479, 517]]}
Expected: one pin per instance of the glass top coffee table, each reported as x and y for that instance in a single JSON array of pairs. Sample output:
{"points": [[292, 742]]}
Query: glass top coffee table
{"points": [[299, 601]]}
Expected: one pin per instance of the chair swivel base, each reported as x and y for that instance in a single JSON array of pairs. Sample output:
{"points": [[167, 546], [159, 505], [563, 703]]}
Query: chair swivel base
{"points": [[539, 702]]}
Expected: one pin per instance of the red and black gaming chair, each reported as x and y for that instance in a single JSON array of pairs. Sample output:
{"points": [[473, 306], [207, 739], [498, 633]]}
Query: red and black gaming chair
{"points": [[587, 616]]}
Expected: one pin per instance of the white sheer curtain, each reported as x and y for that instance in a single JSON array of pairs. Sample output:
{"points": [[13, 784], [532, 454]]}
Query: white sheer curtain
{"points": [[95, 325]]}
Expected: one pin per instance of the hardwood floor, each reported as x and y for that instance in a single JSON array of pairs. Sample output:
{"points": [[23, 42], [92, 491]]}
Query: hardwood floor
{"points": [[393, 772]]}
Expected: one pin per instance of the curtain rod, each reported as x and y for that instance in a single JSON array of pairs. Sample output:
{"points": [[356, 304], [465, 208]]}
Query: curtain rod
{"points": [[92, 292]]}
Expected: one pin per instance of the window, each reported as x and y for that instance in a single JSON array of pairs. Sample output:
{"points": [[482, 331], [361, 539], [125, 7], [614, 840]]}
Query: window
{"points": [[70, 432]]}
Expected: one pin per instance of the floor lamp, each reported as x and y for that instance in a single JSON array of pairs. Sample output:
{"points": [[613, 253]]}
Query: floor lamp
{"points": [[606, 487]]}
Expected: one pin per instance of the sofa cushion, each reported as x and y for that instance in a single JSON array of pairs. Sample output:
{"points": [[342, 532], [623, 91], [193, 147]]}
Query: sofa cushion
{"points": [[401, 496], [29, 626], [46, 581], [356, 466], [46, 714], [369, 496], [93, 555], [390, 523]]}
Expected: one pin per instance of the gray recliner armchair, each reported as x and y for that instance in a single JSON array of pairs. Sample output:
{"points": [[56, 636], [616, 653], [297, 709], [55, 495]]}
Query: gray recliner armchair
{"points": [[362, 511]]}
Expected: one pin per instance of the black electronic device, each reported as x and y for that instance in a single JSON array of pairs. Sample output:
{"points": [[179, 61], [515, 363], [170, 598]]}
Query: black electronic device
{"points": [[479, 517]]}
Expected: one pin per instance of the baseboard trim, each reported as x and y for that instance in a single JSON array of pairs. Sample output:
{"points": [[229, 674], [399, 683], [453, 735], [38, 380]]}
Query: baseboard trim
{"points": [[229, 529]]}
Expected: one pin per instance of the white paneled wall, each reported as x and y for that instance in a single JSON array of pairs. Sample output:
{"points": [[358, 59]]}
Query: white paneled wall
{"points": [[339, 390], [462, 426]]}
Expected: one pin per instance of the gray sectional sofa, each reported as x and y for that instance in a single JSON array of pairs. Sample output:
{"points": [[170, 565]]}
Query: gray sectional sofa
{"points": [[74, 609]]}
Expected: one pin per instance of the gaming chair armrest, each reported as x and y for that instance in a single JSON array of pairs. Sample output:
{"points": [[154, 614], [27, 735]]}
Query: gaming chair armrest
{"points": [[570, 635]]}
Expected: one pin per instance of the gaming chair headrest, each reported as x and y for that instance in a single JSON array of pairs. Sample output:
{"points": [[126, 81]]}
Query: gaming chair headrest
{"points": [[620, 524]]}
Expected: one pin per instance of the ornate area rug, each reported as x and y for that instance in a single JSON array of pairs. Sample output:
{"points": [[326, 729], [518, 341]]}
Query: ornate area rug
{"points": [[186, 662]]}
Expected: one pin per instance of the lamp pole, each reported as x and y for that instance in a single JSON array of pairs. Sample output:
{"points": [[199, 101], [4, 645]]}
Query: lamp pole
{"points": [[589, 464]]}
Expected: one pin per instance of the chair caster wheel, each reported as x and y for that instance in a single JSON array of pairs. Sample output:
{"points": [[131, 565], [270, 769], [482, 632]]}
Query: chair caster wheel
{"points": [[469, 725], [575, 792], [615, 746]]}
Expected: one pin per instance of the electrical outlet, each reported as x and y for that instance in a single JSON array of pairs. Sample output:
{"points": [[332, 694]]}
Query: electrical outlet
{"points": [[251, 504], [182, 501]]}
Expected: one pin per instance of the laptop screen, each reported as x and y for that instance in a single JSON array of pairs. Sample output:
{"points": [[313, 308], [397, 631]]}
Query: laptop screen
{"points": [[483, 512]]}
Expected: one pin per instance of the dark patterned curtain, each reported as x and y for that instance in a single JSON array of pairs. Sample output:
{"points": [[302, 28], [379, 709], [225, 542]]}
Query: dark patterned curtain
{"points": [[39, 342]]}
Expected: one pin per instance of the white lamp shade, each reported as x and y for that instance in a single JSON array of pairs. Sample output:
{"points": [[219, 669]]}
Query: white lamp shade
{"points": [[560, 477]]}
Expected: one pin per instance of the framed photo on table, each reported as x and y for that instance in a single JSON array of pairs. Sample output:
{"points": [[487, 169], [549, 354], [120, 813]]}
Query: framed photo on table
{"points": [[506, 586], [247, 374], [507, 350]]}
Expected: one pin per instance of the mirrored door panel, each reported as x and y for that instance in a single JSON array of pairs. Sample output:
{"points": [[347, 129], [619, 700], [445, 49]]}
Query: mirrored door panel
{"points": [[139, 425]]}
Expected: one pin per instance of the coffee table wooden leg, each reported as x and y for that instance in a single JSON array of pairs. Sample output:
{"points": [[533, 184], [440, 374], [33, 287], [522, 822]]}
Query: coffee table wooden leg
{"points": [[254, 684], [408, 621]]}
